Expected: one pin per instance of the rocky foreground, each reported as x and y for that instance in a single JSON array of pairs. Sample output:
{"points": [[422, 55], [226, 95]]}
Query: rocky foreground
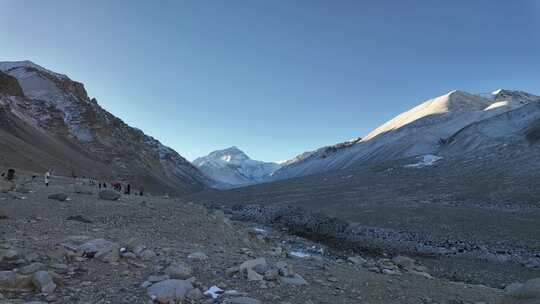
{"points": [[67, 243]]}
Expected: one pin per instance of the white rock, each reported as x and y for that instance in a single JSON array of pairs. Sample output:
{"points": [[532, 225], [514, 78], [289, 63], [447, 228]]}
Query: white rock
{"points": [[169, 291]]}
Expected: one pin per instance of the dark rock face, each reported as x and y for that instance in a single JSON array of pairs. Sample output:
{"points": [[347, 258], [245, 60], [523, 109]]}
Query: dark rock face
{"points": [[9, 85], [92, 141]]}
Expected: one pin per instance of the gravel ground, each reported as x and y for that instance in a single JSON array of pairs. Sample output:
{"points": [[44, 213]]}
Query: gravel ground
{"points": [[37, 229]]}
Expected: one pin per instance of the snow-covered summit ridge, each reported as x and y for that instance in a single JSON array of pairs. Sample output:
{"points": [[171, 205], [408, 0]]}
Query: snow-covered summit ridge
{"points": [[10, 66], [418, 131], [233, 167], [230, 155]]}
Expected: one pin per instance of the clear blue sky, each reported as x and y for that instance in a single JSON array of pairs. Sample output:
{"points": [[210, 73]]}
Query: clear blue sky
{"points": [[275, 78]]}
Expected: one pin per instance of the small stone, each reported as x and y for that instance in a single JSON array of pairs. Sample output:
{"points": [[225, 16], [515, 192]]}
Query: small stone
{"points": [[294, 280], [271, 274], [58, 196], [129, 255], [357, 260], [109, 195], [154, 278], [253, 276], [230, 272], [201, 256], [404, 262], [105, 251], [391, 272], [179, 271], [60, 268], [250, 264], [29, 269], [147, 254], [146, 284], [195, 294], [9, 254], [285, 269], [260, 268], [169, 291]]}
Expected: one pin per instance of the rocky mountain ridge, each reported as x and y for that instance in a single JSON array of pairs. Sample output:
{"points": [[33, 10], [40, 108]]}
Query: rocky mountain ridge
{"points": [[423, 130], [57, 126]]}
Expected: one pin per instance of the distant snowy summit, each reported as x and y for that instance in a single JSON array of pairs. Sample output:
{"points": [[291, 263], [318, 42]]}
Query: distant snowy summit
{"points": [[232, 167]]}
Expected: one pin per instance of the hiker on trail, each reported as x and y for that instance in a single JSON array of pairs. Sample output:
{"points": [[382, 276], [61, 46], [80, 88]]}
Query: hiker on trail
{"points": [[47, 176], [10, 174]]}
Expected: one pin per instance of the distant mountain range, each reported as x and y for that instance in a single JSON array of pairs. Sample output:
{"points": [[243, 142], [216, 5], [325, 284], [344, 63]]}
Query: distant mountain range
{"points": [[48, 122], [232, 167], [449, 124]]}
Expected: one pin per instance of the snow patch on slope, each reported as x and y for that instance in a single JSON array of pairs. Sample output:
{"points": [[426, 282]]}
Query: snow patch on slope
{"points": [[425, 161]]}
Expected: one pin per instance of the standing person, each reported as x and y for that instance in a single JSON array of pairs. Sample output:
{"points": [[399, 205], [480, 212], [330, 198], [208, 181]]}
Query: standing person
{"points": [[128, 189], [47, 176]]}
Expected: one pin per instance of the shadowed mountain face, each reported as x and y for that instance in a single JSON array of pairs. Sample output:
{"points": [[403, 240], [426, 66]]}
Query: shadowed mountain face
{"points": [[419, 131], [50, 123], [232, 167]]}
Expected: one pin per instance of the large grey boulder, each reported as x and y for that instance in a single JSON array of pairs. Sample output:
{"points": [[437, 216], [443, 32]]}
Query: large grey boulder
{"points": [[105, 251], [250, 264], [169, 291], [179, 271], [12, 281], [109, 195], [43, 282]]}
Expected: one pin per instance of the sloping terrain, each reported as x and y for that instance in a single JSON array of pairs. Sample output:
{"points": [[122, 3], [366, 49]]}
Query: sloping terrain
{"points": [[421, 130], [480, 208], [90, 250], [232, 167], [50, 123]]}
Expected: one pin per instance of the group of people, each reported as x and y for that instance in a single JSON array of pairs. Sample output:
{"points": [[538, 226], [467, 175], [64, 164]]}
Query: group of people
{"points": [[118, 186]]}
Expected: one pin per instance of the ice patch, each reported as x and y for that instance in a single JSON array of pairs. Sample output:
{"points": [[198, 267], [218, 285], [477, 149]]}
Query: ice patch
{"points": [[214, 292], [300, 254], [427, 160]]}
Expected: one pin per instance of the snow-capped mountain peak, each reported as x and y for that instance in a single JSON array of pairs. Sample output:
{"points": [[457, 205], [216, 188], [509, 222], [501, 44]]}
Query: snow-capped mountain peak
{"points": [[232, 167], [421, 130]]}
